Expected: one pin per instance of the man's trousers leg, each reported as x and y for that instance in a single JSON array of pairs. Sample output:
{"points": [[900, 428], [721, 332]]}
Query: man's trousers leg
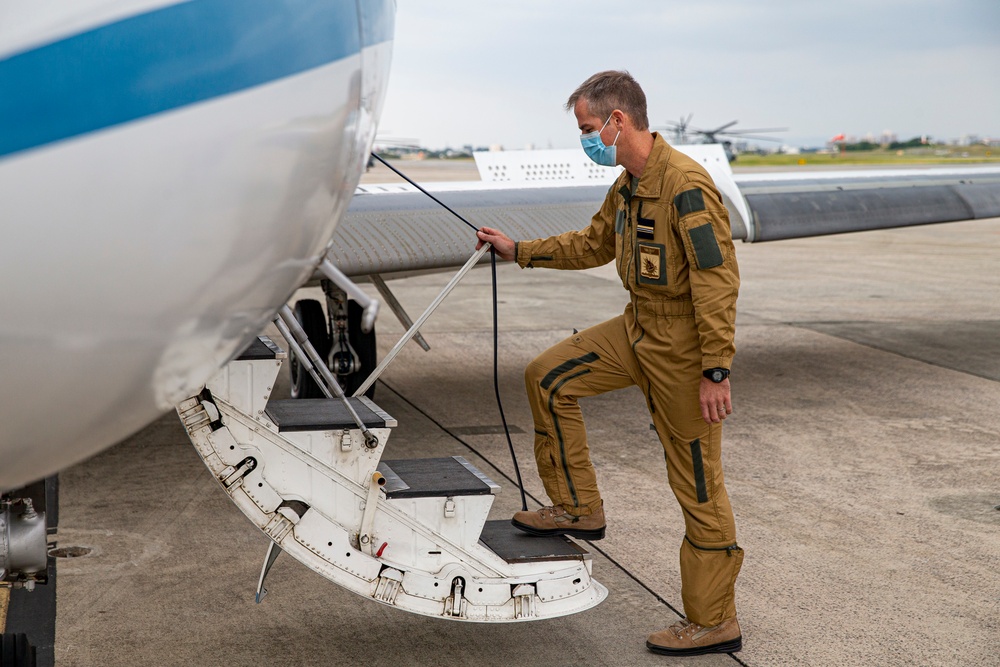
{"points": [[709, 557], [594, 361]]}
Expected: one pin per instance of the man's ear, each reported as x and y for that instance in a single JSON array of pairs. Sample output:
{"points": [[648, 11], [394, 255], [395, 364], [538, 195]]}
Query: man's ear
{"points": [[620, 118]]}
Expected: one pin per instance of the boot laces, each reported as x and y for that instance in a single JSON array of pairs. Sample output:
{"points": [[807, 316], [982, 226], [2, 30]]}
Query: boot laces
{"points": [[551, 511], [685, 627]]}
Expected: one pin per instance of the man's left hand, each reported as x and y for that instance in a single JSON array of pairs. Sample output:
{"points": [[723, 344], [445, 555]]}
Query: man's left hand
{"points": [[502, 244], [715, 401]]}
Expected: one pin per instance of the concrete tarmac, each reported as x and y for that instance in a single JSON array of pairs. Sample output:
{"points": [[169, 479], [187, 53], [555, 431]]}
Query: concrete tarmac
{"points": [[863, 462]]}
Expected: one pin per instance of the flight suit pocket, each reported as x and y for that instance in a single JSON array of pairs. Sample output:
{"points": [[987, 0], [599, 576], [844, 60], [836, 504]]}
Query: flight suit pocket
{"points": [[651, 264], [707, 253], [620, 222]]}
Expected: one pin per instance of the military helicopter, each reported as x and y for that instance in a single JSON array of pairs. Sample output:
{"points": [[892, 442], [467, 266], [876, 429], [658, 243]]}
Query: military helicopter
{"points": [[683, 133]]}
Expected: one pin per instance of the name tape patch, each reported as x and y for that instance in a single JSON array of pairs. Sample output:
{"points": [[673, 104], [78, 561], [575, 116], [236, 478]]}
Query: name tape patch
{"points": [[689, 201]]}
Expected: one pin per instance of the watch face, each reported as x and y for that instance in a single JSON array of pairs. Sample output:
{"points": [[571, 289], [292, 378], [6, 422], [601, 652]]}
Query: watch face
{"points": [[716, 374]]}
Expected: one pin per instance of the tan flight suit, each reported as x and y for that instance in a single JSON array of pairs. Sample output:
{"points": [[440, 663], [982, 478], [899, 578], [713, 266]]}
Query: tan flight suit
{"points": [[669, 234]]}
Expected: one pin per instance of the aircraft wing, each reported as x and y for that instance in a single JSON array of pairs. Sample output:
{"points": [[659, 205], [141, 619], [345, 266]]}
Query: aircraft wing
{"points": [[534, 194], [390, 229], [794, 205]]}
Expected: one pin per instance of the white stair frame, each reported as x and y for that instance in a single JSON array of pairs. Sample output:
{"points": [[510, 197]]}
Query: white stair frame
{"points": [[431, 544]]}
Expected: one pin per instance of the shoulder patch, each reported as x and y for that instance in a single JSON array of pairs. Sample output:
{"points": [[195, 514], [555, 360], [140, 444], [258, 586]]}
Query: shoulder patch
{"points": [[706, 246], [689, 201]]}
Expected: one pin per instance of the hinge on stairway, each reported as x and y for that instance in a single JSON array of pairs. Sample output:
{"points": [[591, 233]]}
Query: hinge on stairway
{"points": [[232, 474], [455, 604], [278, 527], [524, 600], [388, 585], [193, 415]]}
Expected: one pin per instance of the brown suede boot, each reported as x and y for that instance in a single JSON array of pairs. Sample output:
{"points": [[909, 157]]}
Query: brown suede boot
{"points": [[557, 521], [687, 638]]}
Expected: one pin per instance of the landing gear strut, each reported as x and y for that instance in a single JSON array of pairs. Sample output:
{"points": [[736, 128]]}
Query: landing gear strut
{"points": [[349, 352]]}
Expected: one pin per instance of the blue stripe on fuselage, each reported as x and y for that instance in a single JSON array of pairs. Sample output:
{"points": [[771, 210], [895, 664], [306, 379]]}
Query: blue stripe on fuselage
{"points": [[172, 57]]}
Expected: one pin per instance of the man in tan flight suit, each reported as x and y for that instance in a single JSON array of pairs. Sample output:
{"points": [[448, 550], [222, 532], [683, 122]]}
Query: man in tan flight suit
{"points": [[664, 224]]}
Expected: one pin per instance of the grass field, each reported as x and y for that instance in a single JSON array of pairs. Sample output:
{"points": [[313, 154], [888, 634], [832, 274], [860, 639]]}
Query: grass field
{"points": [[922, 155]]}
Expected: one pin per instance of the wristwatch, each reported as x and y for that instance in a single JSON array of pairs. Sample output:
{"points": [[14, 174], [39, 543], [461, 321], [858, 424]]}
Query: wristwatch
{"points": [[716, 374]]}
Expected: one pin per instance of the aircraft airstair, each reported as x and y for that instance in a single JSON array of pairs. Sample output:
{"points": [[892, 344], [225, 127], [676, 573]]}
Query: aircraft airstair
{"points": [[410, 533]]}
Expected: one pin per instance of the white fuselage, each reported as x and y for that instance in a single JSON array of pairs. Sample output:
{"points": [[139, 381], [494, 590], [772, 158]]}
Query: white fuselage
{"points": [[160, 200]]}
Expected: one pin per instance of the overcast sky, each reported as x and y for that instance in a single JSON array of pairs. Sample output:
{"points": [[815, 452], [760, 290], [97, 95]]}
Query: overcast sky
{"points": [[481, 73]]}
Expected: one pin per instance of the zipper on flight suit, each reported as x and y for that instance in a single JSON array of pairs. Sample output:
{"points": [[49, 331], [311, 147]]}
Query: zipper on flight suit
{"points": [[629, 236], [631, 245], [730, 550], [624, 240]]}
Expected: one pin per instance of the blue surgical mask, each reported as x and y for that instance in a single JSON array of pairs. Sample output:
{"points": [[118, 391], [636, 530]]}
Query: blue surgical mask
{"points": [[595, 149]]}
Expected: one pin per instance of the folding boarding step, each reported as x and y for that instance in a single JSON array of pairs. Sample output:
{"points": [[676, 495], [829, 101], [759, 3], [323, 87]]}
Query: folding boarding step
{"points": [[261, 348], [422, 478], [325, 414], [516, 546], [410, 533], [446, 495]]}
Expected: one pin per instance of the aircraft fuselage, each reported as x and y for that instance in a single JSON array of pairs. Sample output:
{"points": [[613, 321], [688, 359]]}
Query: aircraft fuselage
{"points": [[170, 173]]}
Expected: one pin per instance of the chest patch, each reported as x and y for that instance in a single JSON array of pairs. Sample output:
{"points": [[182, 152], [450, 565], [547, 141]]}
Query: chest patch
{"points": [[645, 227], [652, 262]]}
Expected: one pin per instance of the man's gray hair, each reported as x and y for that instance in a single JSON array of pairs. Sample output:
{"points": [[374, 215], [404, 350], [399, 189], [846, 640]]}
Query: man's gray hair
{"points": [[610, 90]]}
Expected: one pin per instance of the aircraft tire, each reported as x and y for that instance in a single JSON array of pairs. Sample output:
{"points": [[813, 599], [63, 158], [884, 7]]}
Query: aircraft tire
{"points": [[16, 651], [311, 317]]}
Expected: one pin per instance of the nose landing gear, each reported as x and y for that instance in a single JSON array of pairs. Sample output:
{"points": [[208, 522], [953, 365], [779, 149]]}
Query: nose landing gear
{"points": [[336, 334]]}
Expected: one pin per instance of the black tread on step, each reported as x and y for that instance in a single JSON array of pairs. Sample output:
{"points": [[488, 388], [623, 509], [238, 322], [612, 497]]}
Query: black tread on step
{"points": [[516, 546], [325, 414], [424, 478], [261, 348]]}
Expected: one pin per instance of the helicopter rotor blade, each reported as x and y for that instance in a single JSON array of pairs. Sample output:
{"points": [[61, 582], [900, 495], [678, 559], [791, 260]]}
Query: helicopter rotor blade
{"points": [[750, 136], [722, 127], [757, 130]]}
